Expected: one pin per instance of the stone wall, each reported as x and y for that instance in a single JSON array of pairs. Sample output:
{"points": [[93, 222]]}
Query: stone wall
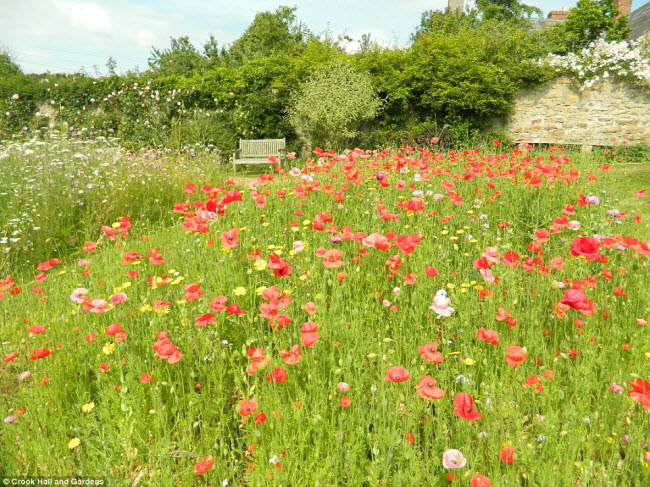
{"points": [[559, 113]]}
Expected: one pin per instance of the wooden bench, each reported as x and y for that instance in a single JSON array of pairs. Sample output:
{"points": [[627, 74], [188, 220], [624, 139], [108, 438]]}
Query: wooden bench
{"points": [[258, 151]]}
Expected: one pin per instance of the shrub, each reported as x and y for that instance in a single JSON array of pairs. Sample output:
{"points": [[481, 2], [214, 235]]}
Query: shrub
{"points": [[332, 104]]}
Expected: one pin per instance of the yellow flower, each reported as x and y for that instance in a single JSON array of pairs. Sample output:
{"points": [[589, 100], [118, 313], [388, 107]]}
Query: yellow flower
{"points": [[265, 224], [181, 302], [108, 349], [469, 361], [259, 265], [74, 442], [444, 232], [306, 222], [260, 290], [116, 225], [176, 281], [239, 291], [125, 285], [295, 229], [86, 408], [225, 250], [451, 286], [303, 277]]}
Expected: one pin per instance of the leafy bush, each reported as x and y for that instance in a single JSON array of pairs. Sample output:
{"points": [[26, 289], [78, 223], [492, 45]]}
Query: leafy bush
{"points": [[332, 104]]}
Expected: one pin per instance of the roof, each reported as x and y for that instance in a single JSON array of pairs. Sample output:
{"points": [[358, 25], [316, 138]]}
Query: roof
{"points": [[639, 21], [537, 24]]}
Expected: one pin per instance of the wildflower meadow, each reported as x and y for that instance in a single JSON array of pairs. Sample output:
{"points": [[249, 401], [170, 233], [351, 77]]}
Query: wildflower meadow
{"points": [[406, 316]]}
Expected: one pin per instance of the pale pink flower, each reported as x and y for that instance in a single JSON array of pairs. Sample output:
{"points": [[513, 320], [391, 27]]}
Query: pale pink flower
{"points": [[79, 295], [343, 386], [119, 298], [453, 459], [616, 389]]}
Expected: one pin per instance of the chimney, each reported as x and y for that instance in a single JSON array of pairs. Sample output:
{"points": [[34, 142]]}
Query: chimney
{"points": [[624, 6], [456, 7], [558, 14]]}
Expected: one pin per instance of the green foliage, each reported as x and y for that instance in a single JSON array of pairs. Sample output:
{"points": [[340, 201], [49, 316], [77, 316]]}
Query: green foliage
{"points": [[332, 104], [589, 20], [473, 72], [8, 66], [271, 33], [180, 58], [505, 9]]}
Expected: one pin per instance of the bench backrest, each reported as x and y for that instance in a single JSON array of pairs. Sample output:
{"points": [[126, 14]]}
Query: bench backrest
{"points": [[265, 147]]}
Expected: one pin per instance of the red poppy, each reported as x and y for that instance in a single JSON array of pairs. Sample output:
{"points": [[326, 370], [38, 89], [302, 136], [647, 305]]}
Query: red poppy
{"points": [[640, 392], [510, 259], [309, 339], [293, 356], [428, 390], [278, 375], [464, 405], [480, 480], [397, 374], [429, 353], [192, 292], [586, 247], [145, 378], [36, 329], [41, 353], [507, 455], [165, 349], [431, 271], [577, 299], [204, 320], [202, 467], [11, 356], [259, 418], [489, 336], [279, 266], [246, 407], [515, 355], [230, 238], [345, 402]]}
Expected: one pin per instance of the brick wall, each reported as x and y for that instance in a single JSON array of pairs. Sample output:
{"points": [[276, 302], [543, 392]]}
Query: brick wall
{"points": [[624, 6], [559, 113]]}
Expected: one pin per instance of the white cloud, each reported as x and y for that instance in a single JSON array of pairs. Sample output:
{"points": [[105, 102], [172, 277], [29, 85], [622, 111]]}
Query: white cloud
{"points": [[86, 15], [145, 39]]}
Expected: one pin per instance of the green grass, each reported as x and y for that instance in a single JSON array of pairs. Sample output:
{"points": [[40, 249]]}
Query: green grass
{"points": [[574, 432]]}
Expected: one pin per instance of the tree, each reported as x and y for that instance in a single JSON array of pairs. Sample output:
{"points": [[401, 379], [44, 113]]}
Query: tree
{"points": [[7, 65], [181, 58], [270, 33], [111, 65], [506, 9], [332, 104], [588, 21]]}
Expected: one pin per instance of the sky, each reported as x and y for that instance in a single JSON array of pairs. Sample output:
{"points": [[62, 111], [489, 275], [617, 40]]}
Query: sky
{"points": [[66, 35]]}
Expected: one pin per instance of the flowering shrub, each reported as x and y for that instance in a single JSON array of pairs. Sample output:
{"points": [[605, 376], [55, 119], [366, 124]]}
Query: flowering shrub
{"points": [[602, 60]]}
